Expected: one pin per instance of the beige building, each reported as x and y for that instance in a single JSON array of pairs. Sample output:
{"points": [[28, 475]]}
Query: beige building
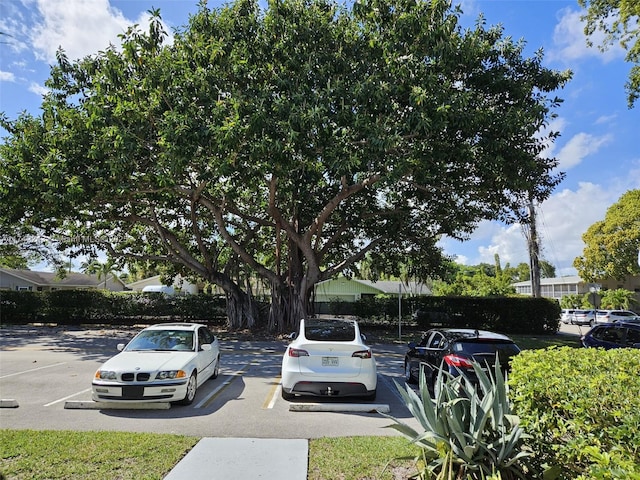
{"points": [[573, 285]]}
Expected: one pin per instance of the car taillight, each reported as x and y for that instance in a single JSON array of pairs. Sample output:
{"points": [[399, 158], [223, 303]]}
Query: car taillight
{"points": [[362, 354], [296, 352], [456, 361]]}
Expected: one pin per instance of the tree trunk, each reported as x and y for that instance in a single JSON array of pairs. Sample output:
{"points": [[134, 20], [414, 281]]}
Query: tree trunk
{"points": [[242, 312]]}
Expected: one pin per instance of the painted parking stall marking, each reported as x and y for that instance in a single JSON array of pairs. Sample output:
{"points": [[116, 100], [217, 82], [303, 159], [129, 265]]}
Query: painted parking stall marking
{"points": [[206, 401], [32, 370]]}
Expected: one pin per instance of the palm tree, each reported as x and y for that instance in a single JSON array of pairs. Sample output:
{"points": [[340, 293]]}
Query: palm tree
{"points": [[101, 270], [618, 298]]}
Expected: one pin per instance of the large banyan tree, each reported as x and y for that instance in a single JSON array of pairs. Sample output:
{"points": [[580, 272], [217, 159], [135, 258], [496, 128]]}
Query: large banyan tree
{"points": [[285, 143]]}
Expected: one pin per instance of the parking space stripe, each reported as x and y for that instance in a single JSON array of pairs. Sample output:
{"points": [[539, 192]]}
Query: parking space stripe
{"points": [[270, 401], [230, 378], [67, 397], [32, 370]]}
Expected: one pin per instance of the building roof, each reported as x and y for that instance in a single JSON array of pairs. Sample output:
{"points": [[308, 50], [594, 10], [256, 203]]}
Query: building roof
{"points": [[568, 280], [381, 286], [71, 279]]}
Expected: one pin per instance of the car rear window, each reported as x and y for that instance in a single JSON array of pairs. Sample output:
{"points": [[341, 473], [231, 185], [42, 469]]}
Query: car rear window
{"points": [[504, 349], [328, 330]]}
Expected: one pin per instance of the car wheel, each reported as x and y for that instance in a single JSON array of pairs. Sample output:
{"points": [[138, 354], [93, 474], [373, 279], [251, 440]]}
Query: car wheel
{"points": [[216, 371], [287, 396], [408, 377], [192, 387], [371, 396]]}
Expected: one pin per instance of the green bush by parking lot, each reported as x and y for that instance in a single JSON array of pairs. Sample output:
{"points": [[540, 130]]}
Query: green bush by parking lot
{"points": [[74, 307], [582, 410]]}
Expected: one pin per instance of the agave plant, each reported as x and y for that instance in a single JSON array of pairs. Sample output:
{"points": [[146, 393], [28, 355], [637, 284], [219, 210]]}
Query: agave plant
{"points": [[468, 431]]}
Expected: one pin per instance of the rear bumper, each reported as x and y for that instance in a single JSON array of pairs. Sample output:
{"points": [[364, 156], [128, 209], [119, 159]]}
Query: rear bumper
{"points": [[329, 389]]}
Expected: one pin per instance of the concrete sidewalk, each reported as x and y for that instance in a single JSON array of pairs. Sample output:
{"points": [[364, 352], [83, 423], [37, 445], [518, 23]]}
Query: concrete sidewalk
{"points": [[243, 459]]}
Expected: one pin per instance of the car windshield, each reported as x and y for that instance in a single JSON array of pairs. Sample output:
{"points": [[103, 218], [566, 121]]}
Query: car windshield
{"points": [[162, 340], [329, 330]]}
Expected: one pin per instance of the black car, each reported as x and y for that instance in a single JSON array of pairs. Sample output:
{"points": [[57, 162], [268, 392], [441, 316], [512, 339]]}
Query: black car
{"points": [[454, 349], [613, 335]]}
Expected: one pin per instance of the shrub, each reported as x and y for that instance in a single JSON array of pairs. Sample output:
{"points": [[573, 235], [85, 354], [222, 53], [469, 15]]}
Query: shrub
{"points": [[468, 431], [581, 408]]}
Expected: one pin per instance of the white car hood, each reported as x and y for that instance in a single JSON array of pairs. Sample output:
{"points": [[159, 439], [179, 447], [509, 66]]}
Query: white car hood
{"points": [[148, 361]]}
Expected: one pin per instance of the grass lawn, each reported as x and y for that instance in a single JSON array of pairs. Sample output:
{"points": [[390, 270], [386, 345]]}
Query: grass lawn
{"points": [[70, 455], [28, 454]]}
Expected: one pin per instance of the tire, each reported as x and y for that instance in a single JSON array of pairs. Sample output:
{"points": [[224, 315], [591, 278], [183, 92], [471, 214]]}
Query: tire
{"points": [[287, 396], [216, 371], [371, 396], [192, 387], [408, 376]]}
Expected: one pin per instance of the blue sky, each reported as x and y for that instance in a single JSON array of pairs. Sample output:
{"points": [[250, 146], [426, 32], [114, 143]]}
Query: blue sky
{"points": [[599, 148]]}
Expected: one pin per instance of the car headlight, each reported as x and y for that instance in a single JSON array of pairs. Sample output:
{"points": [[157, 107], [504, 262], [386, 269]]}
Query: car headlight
{"points": [[106, 375], [171, 374]]}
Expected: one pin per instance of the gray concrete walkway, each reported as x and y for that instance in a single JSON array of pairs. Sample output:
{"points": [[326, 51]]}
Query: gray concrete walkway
{"points": [[243, 459]]}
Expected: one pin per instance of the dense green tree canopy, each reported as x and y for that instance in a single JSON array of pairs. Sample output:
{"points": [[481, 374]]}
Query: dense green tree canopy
{"points": [[619, 20], [286, 143], [612, 245]]}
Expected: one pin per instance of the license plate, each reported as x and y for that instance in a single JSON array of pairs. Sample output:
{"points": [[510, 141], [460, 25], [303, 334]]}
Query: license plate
{"points": [[329, 361]]}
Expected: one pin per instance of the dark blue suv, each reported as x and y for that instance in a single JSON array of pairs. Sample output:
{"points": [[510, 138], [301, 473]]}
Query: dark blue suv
{"points": [[613, 335]]}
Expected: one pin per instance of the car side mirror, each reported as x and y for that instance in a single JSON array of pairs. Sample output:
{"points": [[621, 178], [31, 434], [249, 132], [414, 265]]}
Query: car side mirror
{"points": [[364, 337], [411, 345], [205, 346], [121, 346], [292, 335]]}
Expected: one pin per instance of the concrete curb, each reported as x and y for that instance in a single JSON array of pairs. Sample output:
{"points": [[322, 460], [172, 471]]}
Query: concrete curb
{"points": [[8, 403], [339, 407], [91, 405]]}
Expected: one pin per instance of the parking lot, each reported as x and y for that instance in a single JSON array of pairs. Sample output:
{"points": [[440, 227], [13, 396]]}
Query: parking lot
{"points": [[45, 369]]}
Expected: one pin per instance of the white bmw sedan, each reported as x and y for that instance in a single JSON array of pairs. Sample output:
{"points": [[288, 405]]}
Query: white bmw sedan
{"points": [[328, 358], [163, 363]]}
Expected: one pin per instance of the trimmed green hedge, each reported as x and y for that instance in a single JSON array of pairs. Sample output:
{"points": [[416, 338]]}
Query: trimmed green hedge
{"points": [[514, 315], [582, 410], [73, 307]]}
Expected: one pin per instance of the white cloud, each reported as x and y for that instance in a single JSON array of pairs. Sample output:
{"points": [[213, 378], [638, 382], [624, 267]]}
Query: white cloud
{"points": [[38, 89], [561, 221], [7, 77], [606, 119], [80, 27], [570, 42], [578, 147]]}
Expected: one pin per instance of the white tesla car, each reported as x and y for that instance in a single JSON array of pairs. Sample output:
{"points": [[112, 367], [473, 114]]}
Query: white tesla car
{"points": [[163, 363], [328, 358]]}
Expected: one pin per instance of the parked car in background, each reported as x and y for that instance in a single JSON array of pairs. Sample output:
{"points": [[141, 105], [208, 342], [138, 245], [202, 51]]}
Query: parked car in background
{"points": [[583, 317], [454, 350], [163, 363], [613, 335], [328, 358], [612, 316], [566, 315]]}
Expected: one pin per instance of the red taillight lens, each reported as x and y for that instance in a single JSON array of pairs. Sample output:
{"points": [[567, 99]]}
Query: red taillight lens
{"points": [[456, 361], [296, 352], [362, 354]]}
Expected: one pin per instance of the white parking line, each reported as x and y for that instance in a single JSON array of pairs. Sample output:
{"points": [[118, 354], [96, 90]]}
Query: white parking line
{"points": [[32, 370], [275, 394], [68, 397], [230, 378]]}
